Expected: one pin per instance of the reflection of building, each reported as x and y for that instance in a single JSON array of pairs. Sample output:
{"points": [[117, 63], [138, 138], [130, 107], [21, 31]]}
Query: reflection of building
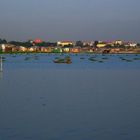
{"points": [[1, 75], [64, 43], [1, 68]]}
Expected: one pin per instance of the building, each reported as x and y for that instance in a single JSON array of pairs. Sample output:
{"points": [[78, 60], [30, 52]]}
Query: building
{"points": [[101, 45], [46, 49], [65, 43], [118, 42], [132, 44], [66, 49], [57, 50], [3, 47], [88, 43], [22, 49], [75, 50]]}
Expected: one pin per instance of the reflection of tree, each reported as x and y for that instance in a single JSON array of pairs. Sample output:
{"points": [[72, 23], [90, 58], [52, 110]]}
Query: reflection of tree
{"points": [[1, 74]]}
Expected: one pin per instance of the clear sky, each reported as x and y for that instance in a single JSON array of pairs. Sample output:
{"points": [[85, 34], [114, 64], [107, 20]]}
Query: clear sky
{"points": [[54, 20]]}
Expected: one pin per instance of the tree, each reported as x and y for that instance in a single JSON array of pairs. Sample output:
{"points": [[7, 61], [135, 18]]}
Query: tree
{"points": [[95, 43], [17, 43], [3, 41], [79, 43]]}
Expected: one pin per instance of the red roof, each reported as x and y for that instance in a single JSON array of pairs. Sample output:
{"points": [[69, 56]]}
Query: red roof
{"points": [[37, 40]]}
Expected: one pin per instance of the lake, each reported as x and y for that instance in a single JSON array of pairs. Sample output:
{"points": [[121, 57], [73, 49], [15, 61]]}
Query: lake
{"points": [[90, 99]]}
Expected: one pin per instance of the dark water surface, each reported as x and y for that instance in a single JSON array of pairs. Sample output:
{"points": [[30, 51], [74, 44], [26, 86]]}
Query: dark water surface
{"points": [[40, 100]]}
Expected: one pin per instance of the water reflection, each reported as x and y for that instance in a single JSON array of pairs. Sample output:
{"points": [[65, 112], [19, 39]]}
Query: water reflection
{"points": [[1, 67], [70, 104], [1, 74]]}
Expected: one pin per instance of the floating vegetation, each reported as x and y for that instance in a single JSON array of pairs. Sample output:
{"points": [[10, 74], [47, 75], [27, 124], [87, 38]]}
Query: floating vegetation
{"points": [[122, 58], [82, 58], [105, 58], [100, 61], [92, 59], [36, 58], [13, 55], [3, 58], [127, 60], [31, 58], [57, 57], [27, 58], [136, 58]]}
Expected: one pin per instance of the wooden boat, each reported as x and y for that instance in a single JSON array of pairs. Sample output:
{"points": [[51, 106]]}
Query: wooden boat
{"points": [[66, 60]]}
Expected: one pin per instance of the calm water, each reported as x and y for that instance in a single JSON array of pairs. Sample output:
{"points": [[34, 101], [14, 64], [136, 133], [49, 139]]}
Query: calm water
{"points": [[86, 100]]}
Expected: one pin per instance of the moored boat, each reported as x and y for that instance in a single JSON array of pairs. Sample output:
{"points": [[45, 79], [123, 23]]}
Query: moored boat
{"points": [[66, 60]]}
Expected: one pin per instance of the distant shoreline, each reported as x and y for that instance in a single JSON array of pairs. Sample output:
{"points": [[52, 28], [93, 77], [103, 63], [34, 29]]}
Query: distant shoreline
{"points": [[68, 53]]}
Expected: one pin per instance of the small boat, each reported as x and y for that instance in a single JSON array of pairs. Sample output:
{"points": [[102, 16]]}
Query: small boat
{"points": [[66, 60]]}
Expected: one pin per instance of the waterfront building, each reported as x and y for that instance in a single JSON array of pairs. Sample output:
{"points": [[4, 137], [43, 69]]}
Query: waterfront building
{"points": [[22, 49], [46, 49], [65, 43], [66, 49], [57, 50], [88, 43], [32, 49], [118, 42], [3, 47], [75, 50], [101, 45]]}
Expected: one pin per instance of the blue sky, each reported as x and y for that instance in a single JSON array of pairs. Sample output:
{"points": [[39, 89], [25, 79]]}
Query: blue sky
{"points": [[54, 20]]}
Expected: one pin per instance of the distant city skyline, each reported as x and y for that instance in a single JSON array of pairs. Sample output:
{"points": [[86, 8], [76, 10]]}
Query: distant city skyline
{"points": [[53, 20]]}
